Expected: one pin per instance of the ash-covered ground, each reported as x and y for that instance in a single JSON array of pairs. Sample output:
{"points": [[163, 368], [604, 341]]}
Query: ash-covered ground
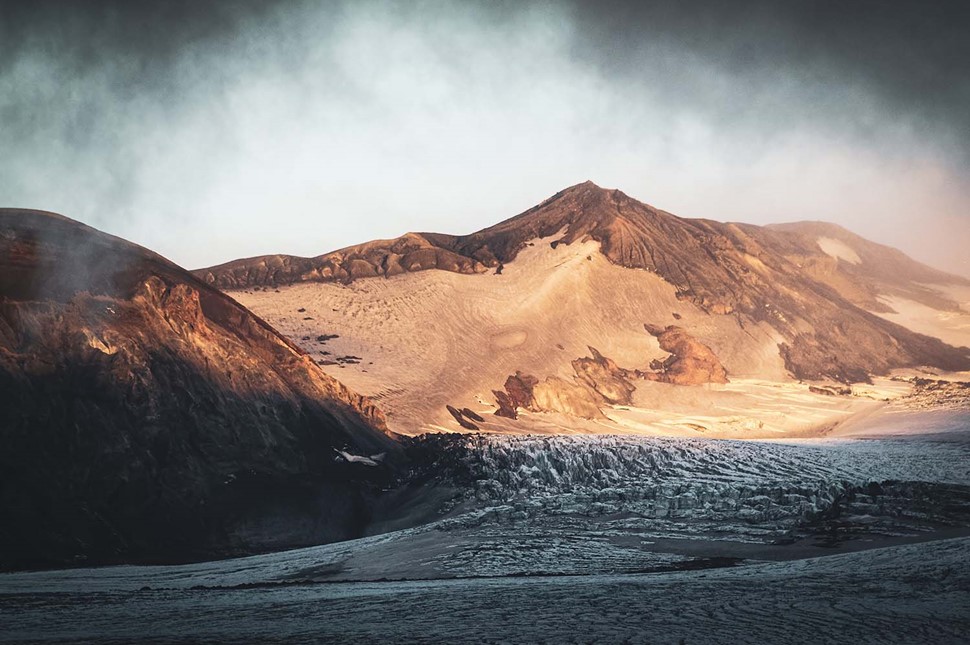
{"points": [[582, 539]]}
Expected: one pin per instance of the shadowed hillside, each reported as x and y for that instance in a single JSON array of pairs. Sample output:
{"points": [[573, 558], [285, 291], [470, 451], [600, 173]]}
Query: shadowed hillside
{"points": [[146, 416]]}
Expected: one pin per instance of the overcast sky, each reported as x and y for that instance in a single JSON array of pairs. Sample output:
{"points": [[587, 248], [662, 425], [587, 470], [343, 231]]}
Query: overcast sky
{"points": [[210, 131]]}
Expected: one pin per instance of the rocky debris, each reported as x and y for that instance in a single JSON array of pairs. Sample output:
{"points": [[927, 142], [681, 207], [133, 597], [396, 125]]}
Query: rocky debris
{"points": [[460, 418], [690, 361], [322, 338], [146, 416], [937, 394], [830, 391]]}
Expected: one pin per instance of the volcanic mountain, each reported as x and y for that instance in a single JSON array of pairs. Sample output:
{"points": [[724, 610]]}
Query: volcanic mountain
{"points": [[145, 415], [593, 301]]}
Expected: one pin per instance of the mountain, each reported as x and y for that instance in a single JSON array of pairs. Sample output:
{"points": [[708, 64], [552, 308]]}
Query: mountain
{"points": [[571, 303], [145, 415]]}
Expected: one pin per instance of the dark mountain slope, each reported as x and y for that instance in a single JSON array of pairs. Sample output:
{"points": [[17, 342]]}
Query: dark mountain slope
{"points": [[146, 416]]}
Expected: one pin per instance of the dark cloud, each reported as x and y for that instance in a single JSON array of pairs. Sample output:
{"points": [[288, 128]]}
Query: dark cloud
{"points": [[914, 56], [181, 124]]}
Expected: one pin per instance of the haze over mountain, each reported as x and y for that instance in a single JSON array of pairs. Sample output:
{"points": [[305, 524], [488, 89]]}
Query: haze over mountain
{"points": [[592, 299], [146, 416]]}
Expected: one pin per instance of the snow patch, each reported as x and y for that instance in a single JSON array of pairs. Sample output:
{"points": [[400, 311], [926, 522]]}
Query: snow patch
{"points": [[838, 249]]}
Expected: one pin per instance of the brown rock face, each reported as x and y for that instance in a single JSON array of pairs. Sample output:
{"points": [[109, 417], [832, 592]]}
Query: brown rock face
{"points": [[518, 393], [519, 387], [780, 275], [690, 362], [604, 377], [384, 258], [146, 416], [600, 381], [572, 397], [506, 408]]}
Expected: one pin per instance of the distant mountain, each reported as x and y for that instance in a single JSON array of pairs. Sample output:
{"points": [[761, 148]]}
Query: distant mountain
{"points": [[816, 285], [144, 415]]}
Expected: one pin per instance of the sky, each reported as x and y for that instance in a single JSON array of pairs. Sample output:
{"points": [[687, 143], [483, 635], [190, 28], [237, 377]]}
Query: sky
{"points": [[209, 131]]}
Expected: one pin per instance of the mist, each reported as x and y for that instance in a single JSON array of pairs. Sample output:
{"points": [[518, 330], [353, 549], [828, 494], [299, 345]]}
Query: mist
{"points": [[214, 132]]}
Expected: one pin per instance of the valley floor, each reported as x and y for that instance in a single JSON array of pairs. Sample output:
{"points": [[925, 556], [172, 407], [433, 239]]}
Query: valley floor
{"points": [[908, 594], [582, 539]]}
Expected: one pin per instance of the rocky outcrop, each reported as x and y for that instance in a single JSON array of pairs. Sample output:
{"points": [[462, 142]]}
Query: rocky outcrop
{"points": [[830, 391], [937, 394], [459, 416], [603, 376], [571, 397], [690, 362], [381, 258], [146, 416], [506, 407], [554, 394], [600, 382], [520, 388]]}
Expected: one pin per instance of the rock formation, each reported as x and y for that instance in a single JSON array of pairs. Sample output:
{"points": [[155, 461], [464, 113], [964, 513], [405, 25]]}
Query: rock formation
{"points": [[603, 376], [690, 362], [459, 416], [598, 382], [384, 258]]}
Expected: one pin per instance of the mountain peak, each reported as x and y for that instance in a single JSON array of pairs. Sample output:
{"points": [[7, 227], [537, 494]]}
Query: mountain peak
{"points": [[590, 188], [589, 184]]}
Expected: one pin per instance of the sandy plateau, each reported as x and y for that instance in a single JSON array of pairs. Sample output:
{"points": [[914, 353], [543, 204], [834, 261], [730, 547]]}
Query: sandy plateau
{"points": [[418, 342]]}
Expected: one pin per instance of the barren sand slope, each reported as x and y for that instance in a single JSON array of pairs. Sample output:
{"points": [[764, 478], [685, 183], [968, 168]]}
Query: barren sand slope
{"points": [[434, 338]]}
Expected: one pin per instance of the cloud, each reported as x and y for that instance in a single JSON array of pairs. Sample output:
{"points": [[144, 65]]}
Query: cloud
{"points": [[209, 131]]}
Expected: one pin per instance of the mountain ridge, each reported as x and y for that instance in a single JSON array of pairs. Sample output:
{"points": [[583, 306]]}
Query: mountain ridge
{"points": [[756, 274]]}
